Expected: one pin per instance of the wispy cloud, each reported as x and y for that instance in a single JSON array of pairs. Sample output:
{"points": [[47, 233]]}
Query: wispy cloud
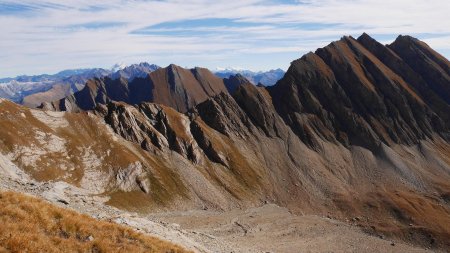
{"points": [[49, 35]]}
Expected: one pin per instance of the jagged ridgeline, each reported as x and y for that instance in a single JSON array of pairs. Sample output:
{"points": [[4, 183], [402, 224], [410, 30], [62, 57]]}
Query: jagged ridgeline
{"points": [[172, 86], [356, 128]]}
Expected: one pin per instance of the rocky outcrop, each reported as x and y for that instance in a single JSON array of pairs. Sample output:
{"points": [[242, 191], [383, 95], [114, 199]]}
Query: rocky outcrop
{"points": [[206, 144], [153, 127], [172, 86]]}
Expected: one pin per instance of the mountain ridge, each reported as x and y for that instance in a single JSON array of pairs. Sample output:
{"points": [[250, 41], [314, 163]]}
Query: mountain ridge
{"points": [[173, 86], [349, 76]]}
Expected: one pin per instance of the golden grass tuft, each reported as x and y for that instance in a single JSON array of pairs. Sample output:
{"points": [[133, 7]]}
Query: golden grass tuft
{"points": [[28, 224]]}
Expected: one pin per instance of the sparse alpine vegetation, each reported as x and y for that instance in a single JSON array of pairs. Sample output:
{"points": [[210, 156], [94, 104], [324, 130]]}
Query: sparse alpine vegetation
{"points": [[32, 225]]}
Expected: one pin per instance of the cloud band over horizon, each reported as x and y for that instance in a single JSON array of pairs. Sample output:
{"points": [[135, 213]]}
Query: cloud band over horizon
{"points": [[50, 35]]}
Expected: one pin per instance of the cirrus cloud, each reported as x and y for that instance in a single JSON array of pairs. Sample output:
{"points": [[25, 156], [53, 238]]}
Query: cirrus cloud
{"points": [[47, 35]]}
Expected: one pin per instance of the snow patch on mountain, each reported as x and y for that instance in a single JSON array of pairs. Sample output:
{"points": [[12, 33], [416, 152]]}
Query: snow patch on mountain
{"points": [[133, 71], [118, 66]]}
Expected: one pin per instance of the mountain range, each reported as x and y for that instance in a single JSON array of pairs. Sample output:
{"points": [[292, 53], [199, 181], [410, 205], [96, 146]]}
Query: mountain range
{"points": [[133, 71], [18, 88], [173, 86], [356, 131], [47, 77], [266, 78], [34, 90]]}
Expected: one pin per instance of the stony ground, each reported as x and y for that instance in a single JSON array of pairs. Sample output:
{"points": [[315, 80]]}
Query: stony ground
{"points": [[268, 228], [271, 228]]}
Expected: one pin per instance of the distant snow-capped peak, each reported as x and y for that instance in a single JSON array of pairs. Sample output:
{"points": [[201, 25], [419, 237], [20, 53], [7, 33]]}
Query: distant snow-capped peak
{"points": [[118, 66], [267, 78], [229, 69]]}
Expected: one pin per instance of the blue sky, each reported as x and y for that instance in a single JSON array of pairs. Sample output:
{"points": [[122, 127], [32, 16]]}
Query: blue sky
{"points": [[51, 35]]}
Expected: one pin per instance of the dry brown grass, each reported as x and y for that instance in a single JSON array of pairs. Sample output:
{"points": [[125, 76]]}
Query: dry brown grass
{"points": [[28, 224]]}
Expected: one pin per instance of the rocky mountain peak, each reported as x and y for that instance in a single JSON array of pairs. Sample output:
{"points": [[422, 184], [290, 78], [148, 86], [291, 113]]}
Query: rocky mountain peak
{"points": [[405, 39], [350, 91], [133, 71], [366, 39], [234, 81]]}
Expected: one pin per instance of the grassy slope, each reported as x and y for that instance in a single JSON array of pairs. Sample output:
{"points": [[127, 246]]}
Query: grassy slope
{"points": [[32, 225]]}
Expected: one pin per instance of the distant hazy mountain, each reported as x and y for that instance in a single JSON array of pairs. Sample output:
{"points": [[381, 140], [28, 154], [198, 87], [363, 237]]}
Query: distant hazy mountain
{"points": [[47, 77], [136, 70], [118, 66], [267, 78], [34, 90], [19, 88], [16, 90]]}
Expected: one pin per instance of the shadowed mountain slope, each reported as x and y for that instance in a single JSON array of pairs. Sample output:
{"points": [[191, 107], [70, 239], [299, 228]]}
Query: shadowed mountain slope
{"points": [[345, 93]]}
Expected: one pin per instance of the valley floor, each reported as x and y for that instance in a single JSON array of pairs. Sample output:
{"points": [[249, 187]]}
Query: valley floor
{"points": [[271, 228], [268, 228]]}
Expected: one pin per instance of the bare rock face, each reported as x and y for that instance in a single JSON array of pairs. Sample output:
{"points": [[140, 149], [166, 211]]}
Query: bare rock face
{"points": [[257, 104], [153, 127], [234, 81], [223, 114], [433, 67], [422, 84], [127, 178], [345, 92], [206, 144], [182, 89], [173, 86]]}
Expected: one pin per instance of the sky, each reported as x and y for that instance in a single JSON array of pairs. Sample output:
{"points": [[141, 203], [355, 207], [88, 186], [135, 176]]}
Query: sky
{"points": [[51, 35]]}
